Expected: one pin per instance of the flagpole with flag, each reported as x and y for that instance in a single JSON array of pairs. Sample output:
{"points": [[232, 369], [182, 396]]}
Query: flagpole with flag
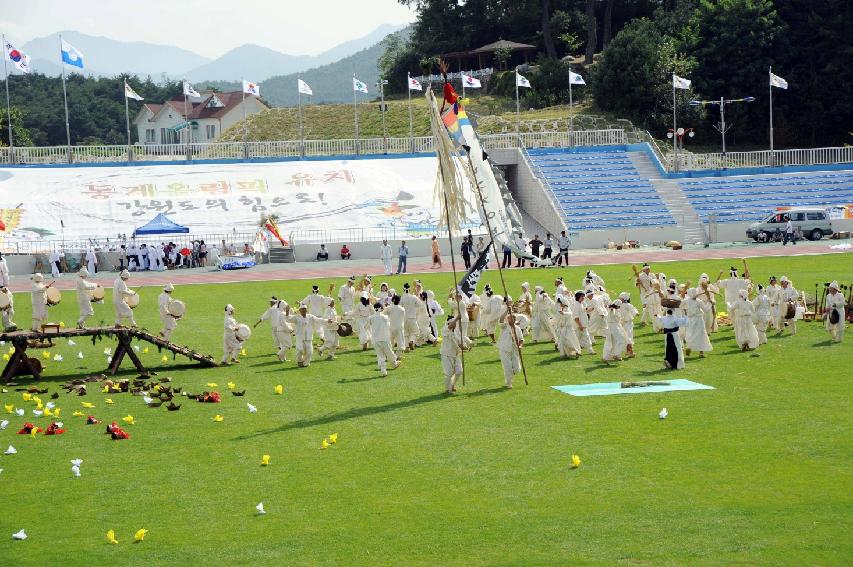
{"points": [[301, 131], [778, 82], [355, 109], [517, 110], [245, 126], [187, 123], [65, 99], [674, 130], [8, 104], [571, 104], [411, 116]]}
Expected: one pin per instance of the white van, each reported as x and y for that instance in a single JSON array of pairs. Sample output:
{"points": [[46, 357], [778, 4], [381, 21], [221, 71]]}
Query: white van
{"points": [[811, 223]]}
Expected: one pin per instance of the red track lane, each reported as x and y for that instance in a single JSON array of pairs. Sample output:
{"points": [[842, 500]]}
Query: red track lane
{"points": [[313, 270]]}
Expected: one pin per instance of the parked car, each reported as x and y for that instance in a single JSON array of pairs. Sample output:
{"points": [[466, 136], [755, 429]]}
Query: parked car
{"points": [[812, 223]]}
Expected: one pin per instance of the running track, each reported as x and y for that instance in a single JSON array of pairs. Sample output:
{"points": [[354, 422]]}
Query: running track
{"points": [[314, 270]]}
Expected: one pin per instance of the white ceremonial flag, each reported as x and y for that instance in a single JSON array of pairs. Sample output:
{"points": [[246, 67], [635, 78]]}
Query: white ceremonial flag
{"points": [[130, 93], [303, 87], [470, 82], [414, 85], [521, 81], [576, 79], [680, 82], [190, 91], [778, 82], [358, 86]]}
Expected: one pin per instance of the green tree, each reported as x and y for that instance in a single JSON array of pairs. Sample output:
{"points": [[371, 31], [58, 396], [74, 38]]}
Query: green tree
{"points": [[21, 135]]}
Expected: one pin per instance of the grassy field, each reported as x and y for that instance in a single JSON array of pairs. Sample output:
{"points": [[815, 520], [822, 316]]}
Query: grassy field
{"points": [[755, 472]]}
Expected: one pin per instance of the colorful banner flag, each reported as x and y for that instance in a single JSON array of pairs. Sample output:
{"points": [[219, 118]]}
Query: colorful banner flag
{"points": [[414, 85], [272, 227], [19, 59], [71, 55], [130, 93], [576, 79], [303, 87], [358, 86]]}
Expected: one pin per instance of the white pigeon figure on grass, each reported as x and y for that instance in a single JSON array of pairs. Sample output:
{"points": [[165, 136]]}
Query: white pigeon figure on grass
{"points": [[663, 413], [71, 343], [252, 409], [4, 424], [75, 470], [10, 451], [80, 355], [21, 535], [260, 509], [20, 412]]}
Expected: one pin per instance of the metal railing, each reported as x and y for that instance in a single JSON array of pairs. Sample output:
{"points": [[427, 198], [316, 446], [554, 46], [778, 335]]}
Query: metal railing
{"points": [[287, 148], [358, 235], [104, 244], [766, 158]]}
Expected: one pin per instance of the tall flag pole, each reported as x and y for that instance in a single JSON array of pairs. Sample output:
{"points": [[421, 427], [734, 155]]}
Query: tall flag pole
{"points": [[303, 89], [571, 118], [129, 93], [355, 110], [411, 117], [252, 89], [778, 82], [65, 99], [189, 91], [517, 110], [677, 83], [7, 52]]}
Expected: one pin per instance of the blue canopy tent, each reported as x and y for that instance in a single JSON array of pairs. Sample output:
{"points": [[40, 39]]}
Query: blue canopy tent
{"points": [[161, 224]]}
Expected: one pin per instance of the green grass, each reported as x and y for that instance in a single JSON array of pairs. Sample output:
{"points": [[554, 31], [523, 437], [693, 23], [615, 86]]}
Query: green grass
{"points": [[757, 471]]}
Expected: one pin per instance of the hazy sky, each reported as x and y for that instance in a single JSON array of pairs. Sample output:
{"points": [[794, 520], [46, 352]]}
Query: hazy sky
{"points": [[207, 27]]}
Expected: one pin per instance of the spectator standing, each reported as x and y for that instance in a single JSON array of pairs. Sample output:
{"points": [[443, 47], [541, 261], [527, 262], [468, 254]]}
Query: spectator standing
{"points": [[563, 245], [507, 261], [521, 244], [385, 256], [436, 253], [535, 244], [467, 249], [202, 253], [402, 257], [790, 233], [549, 247]]}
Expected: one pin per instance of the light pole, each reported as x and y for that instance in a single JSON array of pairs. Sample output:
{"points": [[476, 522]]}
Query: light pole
{"points": [[681, 133], [381, 84], [722, 128]]}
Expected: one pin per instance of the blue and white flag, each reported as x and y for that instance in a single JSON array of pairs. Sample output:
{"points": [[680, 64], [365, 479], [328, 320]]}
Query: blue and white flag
{"points": [[521, 81], [576, 79], [680, 82], [358, 86], [71, 55]]}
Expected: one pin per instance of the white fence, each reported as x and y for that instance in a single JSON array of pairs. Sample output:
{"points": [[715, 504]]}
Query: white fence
{"points": [[776, 158], [288, 149], [238, 239]]}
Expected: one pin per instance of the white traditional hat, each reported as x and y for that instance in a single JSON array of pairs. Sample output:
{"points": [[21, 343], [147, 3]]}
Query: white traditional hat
{"points": [[124, 274], [784, 279], [83, 273], [37, 277], [169, 287], [691, 293], [525, 285], [743, 293], [229, 308], [625, 296], [834, 285]]}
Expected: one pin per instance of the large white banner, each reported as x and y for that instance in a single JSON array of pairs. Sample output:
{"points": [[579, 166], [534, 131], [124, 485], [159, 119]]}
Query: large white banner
{"points": [[95, 202]]}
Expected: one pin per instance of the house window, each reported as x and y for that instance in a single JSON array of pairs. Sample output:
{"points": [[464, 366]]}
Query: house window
{"points": [[163, 134], [150, 136], [211, 131]]}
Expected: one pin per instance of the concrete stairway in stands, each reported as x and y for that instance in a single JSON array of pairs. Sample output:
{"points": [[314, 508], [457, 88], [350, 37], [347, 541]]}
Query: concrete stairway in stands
{"points": [[673, 197], [281, 255]]}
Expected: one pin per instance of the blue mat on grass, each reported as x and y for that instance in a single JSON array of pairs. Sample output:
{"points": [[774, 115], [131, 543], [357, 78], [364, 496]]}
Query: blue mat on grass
{"points": [[238, 265], [611, 388]]}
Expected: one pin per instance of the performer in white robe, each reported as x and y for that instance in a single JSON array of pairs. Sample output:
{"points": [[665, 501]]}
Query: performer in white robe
{"points": [[397, 319], [385, 255], [525, 302], [761, 315], [708, 292], [581, 321], [696, 338], [673, 351], [38, 299], [451, 354], [540, 322], [282, 332], [9, 310], [411, 304], [231, 345], [787, 295], [596, 308], [316, 304], [84, 299], [361, 313], [435, 309], [55, 256], [474, 303], [331, 324], [774, 295], [303, 329], [91, 260], [169, 322], [509, 345], [346, 297], [425, 334], [648, 296], [742, 312], [380, 331], [561, 289], [835, 303], [491, 312], [458, 307], [615, 341], [733, 284], [567, 341], [627, 313], [120, 293]]}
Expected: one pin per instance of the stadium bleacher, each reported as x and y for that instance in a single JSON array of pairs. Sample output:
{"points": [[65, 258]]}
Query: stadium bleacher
{"points": [[599, 190], [750, 198]]}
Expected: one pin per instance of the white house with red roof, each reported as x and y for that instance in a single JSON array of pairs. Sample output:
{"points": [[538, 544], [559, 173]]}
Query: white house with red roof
{"points": [[208, 117]]}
